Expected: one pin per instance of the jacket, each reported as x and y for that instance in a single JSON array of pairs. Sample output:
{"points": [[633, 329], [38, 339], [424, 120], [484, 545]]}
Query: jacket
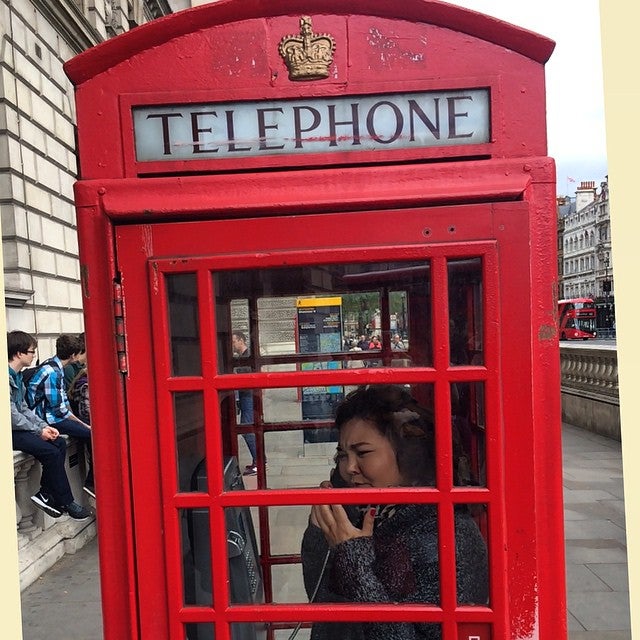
{"points": [[22, 418], [399, 563]]}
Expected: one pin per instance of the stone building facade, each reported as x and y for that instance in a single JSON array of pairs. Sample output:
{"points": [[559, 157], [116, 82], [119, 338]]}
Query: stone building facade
{"points": [[37, 153], [37, 170]]}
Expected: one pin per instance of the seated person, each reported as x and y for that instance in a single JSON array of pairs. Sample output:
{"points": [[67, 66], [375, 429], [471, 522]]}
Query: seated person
{"points": [[47, 396], [32, 435], [76, 364]]}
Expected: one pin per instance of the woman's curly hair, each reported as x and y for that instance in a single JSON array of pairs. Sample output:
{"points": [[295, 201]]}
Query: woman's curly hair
{"points": [[397, 416]]}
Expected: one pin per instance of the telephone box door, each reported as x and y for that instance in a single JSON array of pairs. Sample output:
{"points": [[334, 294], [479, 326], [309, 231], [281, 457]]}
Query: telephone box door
{"points": [[446, 292]]}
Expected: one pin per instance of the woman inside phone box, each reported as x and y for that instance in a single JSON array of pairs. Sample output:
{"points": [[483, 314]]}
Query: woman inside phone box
{"points": [[386, 553]]}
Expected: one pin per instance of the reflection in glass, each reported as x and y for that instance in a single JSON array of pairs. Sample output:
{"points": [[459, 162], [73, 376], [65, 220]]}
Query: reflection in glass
{"points": [[468, 433], [188, 417], [199, 631], [330, 312], [196, 557], [184, 327], [472, 576], [465, 311]]}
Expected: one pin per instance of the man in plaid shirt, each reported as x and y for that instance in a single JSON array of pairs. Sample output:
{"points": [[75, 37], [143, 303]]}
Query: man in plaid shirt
{"points": [[47, 396]]}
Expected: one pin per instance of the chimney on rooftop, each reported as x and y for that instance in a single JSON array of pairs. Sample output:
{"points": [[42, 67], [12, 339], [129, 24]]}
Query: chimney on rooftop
{"points": [[585, 194]]}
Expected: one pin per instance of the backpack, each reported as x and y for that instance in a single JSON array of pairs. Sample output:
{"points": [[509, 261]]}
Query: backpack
{"points": [[78, 395], [27, 374]]}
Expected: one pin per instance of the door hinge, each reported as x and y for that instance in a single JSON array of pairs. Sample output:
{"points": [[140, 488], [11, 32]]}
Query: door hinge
{"points": [[118, 316]]}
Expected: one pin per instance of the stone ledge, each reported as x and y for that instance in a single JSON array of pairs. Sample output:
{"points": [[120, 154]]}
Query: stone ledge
{"points": [[43, 540], [589, 389]]}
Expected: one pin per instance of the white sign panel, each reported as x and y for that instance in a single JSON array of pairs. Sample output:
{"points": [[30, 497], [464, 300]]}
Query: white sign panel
{"points": [[318, 125]]}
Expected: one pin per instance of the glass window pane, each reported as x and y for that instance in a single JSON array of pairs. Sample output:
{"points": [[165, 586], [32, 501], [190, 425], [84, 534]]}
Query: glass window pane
{"points": [[196, 557], [372, 314], [298, 441], [199, 631], [184, 327], [472, 565], [304, 632], [466, 341], [245, 574], [188, 416], [353, 630], [468, 433], [249, 631]]}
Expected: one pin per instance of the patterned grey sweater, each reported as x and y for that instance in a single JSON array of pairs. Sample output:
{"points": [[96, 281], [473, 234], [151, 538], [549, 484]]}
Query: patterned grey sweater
{"points": [[399, 563]]}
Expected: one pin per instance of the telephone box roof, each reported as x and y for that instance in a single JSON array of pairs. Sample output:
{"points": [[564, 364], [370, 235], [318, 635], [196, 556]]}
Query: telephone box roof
{"points": [[114, 51]]}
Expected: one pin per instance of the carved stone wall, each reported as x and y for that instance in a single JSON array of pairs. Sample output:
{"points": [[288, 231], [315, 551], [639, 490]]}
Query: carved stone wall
{"points": [[43, 540], [589, 386], [38, 153]]}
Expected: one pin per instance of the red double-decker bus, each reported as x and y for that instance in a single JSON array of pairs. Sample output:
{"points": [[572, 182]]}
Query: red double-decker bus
{"points": [[577, 319]]}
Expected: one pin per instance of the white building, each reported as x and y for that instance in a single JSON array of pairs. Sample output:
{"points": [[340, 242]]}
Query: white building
{"points": [[37, 153], [586, 250]]}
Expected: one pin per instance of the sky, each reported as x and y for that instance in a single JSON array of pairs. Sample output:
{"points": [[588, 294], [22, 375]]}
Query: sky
{"points": [[575, 100]]}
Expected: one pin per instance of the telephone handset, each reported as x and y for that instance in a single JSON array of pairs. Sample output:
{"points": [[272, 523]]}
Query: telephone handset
{"points": [[337, 480]]}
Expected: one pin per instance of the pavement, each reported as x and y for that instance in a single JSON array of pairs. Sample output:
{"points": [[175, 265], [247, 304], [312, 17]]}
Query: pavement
{"points": [[64, 604]]}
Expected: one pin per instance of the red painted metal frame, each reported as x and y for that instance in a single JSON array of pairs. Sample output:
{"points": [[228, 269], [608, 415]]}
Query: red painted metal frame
{"points": [[147, 241], [209, 383], [157, 239]]}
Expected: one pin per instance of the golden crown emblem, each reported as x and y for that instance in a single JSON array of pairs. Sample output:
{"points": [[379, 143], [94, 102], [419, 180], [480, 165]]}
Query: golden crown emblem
{"points": [[309, 54]]}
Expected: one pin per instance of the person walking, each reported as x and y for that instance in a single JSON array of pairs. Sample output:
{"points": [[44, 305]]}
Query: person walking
{"points": [[245, 399]]}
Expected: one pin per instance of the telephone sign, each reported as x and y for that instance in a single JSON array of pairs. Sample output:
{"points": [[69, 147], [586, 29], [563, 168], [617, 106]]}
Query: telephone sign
{"points": [[321, 125]]}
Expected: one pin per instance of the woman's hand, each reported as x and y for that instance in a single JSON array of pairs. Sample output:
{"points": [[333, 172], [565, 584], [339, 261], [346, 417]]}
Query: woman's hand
{"points": [[325, 484], [336, 526]]}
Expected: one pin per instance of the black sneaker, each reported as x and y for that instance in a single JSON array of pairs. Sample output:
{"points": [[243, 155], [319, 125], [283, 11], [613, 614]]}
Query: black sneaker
{"points": [[45, 502], [90, 489], [76, 511]]}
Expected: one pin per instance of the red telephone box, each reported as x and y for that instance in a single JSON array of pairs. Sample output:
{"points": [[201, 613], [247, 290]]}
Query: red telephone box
{"points": [[292, 175]]}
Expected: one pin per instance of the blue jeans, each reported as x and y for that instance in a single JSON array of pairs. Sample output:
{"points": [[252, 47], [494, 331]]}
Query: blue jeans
{"points": [[76, 429], [51, 454], [245, 400]]}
